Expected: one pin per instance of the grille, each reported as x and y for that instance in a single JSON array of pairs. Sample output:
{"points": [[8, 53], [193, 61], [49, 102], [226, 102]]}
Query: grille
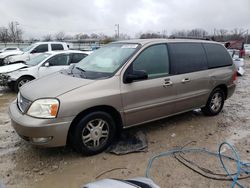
{"points": [[23, 103]]}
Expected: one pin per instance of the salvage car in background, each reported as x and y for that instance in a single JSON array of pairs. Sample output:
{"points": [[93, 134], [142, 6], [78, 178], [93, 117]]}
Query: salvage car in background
{"points": [[239, 62], [41, 65], [247, 50], [31, 51], [9, 49]]}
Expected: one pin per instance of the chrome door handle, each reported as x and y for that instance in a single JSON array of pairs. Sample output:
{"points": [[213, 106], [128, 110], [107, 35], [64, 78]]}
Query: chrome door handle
{"points": [[168, 83], [185, 80]]}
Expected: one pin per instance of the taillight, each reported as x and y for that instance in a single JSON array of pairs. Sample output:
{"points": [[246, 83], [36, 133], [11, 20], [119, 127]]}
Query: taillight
{"points": [[235, 76]]}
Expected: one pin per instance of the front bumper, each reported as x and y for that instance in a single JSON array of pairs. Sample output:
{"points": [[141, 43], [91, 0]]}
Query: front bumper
{"points": [[42, 132]]}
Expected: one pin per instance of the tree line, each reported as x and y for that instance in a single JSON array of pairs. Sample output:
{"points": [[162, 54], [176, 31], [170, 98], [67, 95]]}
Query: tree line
{"points": [[13, 33]]}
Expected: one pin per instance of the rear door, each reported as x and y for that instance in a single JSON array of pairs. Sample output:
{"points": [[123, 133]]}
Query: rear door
{"points": [[154, 97], [189, 65], [56, 63]]}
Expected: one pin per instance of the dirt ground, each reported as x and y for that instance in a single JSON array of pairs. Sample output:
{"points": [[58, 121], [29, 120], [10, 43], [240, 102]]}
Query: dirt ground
{"points": [[22, 165]]}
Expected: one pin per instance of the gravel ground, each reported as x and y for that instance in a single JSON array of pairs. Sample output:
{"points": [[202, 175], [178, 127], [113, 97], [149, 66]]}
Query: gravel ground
{"points": [[22, 165]]}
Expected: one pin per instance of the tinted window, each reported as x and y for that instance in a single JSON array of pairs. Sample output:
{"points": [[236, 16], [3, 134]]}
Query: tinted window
{"points": [[61, 59], [153, 60], [217, 55], [75, 58], [55, 47], [41, 48], [11, 49], [187, 57]]}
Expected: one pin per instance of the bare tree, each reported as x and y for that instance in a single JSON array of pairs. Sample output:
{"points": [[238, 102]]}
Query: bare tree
{"points": [[150, 35], [47, 37], [15, 33], [4, 35], [94, 36], [60, 36], [124, 36]]}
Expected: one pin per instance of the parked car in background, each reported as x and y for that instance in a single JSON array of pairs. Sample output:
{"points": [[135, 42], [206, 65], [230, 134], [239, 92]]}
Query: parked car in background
{"points": [[247, 49], [121, 85], [236, 45], [30, 52], [9, 49], [40, 66], [7, 54], [239, 62]]}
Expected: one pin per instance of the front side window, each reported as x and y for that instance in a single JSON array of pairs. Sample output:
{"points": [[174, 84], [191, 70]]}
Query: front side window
{"points": [[105, 61], [41, 48], [154, 60], [59, 60]]}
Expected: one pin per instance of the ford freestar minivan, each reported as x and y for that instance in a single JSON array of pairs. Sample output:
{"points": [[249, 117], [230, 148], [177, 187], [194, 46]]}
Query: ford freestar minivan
{"points": [[121, 85]]}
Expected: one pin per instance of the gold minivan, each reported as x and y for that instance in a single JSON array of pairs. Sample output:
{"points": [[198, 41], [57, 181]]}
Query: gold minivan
{"points": [[121, 85]]}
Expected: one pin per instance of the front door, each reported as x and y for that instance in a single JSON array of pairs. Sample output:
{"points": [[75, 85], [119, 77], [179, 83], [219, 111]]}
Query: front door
{"points": [[54, 64], [153, 98]]}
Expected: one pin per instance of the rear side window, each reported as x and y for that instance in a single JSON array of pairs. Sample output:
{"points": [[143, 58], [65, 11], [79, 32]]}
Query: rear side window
{"points": [[217, 55], [75, 58], [187, 57], [154, 60], [55, 47]]}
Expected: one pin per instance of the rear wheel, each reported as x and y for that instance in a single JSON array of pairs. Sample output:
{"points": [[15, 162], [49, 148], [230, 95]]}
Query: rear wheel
{"points": [[215, 102], [93, 133], [21, 81]]}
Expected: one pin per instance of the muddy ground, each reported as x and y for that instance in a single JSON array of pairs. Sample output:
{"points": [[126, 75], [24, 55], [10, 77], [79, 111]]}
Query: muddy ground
{"points": [[22, 165]]}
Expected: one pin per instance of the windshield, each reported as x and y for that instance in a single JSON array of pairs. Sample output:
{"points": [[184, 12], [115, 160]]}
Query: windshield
{"points": [[28, 48], [38, 59], [106, 60]]}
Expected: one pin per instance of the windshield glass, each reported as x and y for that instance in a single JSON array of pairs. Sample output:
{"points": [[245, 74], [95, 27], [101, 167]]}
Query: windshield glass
{"points": [[38, 59], [28, 48], [106, 60]]}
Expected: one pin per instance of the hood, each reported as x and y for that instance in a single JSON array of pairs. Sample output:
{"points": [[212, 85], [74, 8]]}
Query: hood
{"points": [[10, 53], [11, 68], [52, 85]]}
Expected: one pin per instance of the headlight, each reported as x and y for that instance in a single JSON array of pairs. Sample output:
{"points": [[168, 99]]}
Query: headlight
{"points": [[44, 108], [7, 60]]}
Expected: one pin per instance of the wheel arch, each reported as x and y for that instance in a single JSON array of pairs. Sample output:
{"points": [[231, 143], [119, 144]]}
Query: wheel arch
{"points": [[26, 75], [105, 108], [224, 88]]}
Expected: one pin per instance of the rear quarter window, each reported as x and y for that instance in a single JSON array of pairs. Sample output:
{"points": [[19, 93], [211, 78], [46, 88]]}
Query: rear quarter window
{"points": [[187, 57], [217, 55]]}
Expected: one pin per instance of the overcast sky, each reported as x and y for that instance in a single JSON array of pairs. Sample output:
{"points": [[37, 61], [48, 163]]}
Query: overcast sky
{"points": [[40, 17]]}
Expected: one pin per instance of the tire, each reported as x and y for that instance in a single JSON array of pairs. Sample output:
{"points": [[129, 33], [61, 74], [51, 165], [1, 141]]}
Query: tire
{"points": [[21, 81], [93, 133], [215, 102]]}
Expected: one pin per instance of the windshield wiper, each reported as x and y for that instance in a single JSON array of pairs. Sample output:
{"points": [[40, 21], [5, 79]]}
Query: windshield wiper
{"points": [[82, 71]]}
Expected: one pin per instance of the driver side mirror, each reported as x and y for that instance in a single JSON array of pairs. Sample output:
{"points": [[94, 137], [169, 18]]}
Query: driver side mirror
{"points": [[135, 75], [47, 64], [33, 51]]}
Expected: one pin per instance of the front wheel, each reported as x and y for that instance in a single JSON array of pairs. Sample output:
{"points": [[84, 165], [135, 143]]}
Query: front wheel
{"points": [[93, 133], [215, 102], [20, 82]]}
